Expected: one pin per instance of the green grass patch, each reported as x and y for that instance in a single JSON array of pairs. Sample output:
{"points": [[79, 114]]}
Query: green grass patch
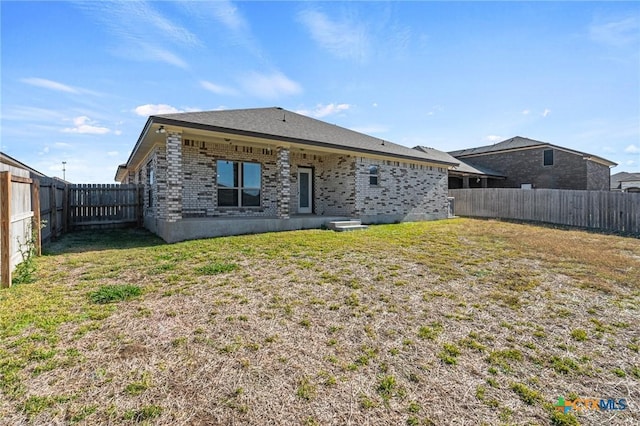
{"points": [[216, 268], [114, 293], [528, 396]]}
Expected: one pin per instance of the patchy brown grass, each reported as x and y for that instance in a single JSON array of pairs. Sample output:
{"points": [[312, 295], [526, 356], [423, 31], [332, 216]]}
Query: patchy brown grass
{"points": [[450, 322]]}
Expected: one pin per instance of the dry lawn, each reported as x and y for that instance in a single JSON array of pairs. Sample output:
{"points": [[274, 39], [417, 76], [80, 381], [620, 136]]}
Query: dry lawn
{"points": [[452, 322]]}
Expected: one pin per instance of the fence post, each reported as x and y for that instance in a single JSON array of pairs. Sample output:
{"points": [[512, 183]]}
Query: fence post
{"points": [[53, 216], [5, 228], [35, 207], [140, 209], [65, 209]]}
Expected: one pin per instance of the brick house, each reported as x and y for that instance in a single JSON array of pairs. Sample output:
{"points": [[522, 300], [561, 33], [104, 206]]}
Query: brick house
{"points": [[625, 182], [268, 169], [527, 163]]}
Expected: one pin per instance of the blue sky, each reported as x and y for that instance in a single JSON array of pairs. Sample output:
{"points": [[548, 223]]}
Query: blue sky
{"points": [[79, 79]]}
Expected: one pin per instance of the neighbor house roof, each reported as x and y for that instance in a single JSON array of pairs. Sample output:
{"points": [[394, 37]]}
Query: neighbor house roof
{"points": [[280, 125], [6, 159], [517, 143], [623, 177], [462, 167]]}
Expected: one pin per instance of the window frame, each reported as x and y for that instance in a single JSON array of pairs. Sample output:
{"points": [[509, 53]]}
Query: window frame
{"points": [[151, 180], [239, 187], [549, 152], [374, 177]]}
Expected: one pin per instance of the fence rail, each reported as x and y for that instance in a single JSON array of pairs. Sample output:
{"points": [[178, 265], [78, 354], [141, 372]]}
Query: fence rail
{"points": [[601, 210]]}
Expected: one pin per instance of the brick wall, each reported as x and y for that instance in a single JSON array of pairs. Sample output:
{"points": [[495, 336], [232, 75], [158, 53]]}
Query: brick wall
{"points": [[200, 193], [569, 171], [598, 177], [403, 189], [336, 189]]}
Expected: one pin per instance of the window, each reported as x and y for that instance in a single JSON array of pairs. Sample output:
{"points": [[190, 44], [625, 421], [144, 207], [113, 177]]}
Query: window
{"points": [[238, 184], [373, 175], [150, 181], [548, 157]]}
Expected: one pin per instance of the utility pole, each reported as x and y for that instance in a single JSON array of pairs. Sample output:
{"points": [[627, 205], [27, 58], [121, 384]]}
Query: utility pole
{"points": [[64, 175]]}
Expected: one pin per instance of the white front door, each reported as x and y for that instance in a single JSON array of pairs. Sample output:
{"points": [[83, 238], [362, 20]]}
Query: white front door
{"points": [[305, 190]]}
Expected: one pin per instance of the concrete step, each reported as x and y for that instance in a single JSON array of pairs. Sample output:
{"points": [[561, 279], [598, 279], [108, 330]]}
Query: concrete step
{"points": [[346, 225], [350, 228]]}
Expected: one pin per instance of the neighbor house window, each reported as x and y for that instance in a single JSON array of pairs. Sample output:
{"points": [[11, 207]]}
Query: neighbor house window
{"points": [[238, 184], [548, 157], [373, 175]]}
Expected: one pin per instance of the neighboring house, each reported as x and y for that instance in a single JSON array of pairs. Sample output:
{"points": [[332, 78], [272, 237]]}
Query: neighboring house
{"points": [[625, 182], [276, 170], [465, 175], [527, 163], [18, 168]]}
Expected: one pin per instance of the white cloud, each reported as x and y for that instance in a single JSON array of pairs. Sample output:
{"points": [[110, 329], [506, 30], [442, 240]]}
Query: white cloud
{"points": [[141, 31], [49, 84], [157, 53], [493, 138], [155, 109], [227, 14], [83, 125], [546, 112], [526, 112], [630, 163], [616, 33], [347, 39], [217, 89], [434, 110], [270, 86], [375, 105], [632, 149], [62, 145], [324, 110], [117, 132], [112, 153]]}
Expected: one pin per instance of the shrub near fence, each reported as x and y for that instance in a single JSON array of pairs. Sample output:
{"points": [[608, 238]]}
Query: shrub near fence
{"points": [[600, 210]]}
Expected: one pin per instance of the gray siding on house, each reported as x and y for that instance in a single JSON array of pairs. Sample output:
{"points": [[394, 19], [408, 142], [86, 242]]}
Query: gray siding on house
{"points": [[569, 171]]}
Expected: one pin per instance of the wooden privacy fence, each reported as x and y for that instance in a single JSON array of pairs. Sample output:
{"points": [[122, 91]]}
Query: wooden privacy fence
{"points": [[52, 212], [25, 203], [100, 206], [601, 210], [19, 217]]}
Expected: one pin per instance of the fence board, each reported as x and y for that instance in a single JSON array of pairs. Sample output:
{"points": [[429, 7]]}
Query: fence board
{"points": [[601, 210]]}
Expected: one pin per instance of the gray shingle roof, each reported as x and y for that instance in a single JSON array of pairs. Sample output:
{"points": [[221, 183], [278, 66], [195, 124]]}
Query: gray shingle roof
{"points": [[462, 167], [623, 177], [513, 143], [518, 142], [282, 125]]}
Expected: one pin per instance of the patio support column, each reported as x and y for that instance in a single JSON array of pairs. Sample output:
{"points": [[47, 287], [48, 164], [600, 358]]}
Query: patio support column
{"points": [[173, 202], [283, 170], [484, 181], [465, 182]]}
